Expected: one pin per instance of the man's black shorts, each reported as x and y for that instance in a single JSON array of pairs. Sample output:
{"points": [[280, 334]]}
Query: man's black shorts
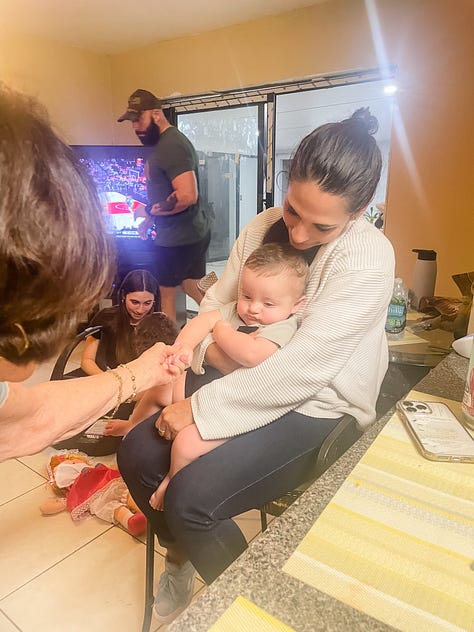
{"points": [[174, 264]]}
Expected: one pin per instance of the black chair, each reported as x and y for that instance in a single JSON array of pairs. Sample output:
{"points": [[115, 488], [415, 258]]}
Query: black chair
{"points": [[61, 362], [336, 443], [149, 577], [92, 446]]}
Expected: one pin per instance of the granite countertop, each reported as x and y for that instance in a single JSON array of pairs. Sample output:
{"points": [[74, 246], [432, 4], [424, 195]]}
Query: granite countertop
{"points": [[257, 575]]}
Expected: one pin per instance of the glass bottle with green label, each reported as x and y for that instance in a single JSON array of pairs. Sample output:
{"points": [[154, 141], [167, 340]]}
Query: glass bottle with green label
{"points": [[397, 310]]}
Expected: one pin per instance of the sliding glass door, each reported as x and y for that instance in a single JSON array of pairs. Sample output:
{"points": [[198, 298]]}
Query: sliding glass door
{"points": [[298, 113], [227, 142], [245, 140]]}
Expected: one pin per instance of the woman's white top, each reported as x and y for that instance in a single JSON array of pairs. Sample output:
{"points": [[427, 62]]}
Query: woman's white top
{"points": [[335, 362]]}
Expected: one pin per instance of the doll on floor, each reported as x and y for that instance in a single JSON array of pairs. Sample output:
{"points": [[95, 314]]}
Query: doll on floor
{"points": [[85, 489]]}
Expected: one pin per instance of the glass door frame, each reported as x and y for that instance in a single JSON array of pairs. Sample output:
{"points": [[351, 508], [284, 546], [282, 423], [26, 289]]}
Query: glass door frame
{"points": [[265, 96], [172, 113]]}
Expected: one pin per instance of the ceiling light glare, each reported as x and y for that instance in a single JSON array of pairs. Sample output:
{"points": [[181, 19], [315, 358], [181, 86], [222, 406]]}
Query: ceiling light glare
{"points": [[390, 89]]}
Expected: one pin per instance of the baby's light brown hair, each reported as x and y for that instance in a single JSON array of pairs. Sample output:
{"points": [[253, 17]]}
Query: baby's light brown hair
{"points": [[275, 258]]}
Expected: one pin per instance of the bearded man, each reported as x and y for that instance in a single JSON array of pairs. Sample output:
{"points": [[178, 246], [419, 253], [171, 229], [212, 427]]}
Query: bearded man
{"points": [[182, 226]]}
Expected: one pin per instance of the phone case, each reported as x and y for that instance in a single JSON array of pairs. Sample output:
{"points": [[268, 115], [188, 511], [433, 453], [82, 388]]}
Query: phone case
{"points": [[437, 432]]}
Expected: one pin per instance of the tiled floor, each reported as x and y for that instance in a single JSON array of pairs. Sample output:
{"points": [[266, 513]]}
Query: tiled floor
{"points": [[56, 575]]}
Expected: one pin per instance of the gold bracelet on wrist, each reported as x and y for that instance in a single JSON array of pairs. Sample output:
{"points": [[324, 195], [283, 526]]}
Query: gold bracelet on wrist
{"points": [[134, 384], [118, 377]]}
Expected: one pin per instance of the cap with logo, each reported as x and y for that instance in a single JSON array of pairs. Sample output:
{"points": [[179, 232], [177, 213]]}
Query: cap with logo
{"points": [[139, 101]]}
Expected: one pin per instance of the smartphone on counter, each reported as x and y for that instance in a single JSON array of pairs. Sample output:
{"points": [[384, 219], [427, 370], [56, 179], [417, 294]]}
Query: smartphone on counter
{"points": [[437, 432]]}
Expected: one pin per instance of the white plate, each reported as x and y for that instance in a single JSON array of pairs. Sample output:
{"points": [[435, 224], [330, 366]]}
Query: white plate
{"points": [[463, 346]]}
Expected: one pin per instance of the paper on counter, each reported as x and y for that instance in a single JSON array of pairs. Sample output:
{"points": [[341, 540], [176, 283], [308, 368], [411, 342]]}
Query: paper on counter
{"points": [[244, 616]]}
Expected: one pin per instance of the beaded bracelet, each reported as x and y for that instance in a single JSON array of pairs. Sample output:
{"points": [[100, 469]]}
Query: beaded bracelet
{"points": [[118, 377], [134, 383]]}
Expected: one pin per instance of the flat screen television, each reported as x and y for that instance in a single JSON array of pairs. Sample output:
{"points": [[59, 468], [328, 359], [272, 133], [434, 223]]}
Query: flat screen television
{"points": [[118, 173]]}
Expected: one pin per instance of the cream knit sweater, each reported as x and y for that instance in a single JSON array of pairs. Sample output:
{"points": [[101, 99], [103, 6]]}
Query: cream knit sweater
{"points": [[336, 361]]}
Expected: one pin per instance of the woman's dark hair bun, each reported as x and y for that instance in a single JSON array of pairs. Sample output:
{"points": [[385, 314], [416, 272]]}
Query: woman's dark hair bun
{"points": [[370, 122]]}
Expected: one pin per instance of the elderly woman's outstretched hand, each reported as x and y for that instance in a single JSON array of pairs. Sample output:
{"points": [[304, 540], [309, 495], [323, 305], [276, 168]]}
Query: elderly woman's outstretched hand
{"points": [[174, 418]]}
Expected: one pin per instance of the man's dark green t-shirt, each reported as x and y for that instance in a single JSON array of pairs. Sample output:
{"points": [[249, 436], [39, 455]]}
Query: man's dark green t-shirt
{"points": [[173, 155]]}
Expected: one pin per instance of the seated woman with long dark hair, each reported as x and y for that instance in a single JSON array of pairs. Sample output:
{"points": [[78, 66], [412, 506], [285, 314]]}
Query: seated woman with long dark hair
{"points": [[138, 296], [115, 345]]}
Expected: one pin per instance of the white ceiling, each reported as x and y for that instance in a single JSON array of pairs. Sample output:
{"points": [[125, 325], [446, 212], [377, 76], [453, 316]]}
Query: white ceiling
{"points": [[114, 26]]}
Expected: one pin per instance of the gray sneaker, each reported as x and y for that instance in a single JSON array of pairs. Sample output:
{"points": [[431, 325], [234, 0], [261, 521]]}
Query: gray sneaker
{"points": [[174, 591]]}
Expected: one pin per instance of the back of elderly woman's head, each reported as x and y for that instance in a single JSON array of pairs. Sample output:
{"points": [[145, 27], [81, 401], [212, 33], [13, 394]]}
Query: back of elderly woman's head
{"points": [[55, 256], [342, 159]]}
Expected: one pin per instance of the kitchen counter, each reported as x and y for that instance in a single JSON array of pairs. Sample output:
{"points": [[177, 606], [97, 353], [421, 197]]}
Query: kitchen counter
{"points": [[257, 575]]}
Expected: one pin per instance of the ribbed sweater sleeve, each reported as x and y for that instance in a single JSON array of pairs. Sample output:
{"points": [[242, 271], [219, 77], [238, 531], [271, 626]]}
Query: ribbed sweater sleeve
{"points": [[336, 360]]}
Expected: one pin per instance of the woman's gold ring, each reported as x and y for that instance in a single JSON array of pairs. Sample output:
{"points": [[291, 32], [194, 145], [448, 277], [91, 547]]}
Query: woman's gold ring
{"points": [[161, 431]]}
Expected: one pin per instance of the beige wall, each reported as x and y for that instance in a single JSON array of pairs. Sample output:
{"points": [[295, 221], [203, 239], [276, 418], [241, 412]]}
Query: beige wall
{"points": [[430, 191], [291, 45], [74, 85], [430, 198], [431, 41]]}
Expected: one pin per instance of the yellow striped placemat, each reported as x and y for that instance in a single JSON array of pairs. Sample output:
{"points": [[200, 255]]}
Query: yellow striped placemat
{"points": [[244, 616], [397, 539]]}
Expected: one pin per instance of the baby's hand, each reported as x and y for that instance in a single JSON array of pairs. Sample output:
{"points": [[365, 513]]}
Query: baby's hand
{"points": [[183, 354], [175, 366]]}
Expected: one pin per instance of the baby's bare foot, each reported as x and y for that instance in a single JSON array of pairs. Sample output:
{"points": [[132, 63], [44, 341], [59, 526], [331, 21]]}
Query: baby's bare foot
{"points": [[117, 427], [157, 499]]}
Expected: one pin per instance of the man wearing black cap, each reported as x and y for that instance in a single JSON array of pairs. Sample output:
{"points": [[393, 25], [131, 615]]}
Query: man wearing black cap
{"points": [[182, 227]]}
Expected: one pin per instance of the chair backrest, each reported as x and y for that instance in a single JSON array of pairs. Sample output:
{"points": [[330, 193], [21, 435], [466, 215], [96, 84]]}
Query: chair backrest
{"points": [[336, 443], [58, 369], [340, 439]]}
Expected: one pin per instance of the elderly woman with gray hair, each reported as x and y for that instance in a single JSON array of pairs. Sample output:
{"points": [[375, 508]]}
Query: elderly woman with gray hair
{"points": [[56, 262]]}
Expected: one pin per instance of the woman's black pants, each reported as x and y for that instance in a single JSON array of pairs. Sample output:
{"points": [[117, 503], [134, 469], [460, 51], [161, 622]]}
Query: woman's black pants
{"points": [[244, 473]]}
